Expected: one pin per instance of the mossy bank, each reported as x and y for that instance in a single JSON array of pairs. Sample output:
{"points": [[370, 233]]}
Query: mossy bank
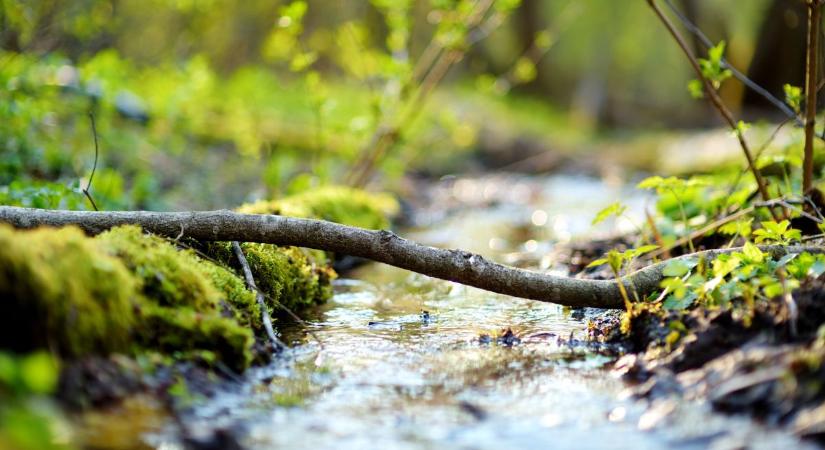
{"points": [[125, 291]]}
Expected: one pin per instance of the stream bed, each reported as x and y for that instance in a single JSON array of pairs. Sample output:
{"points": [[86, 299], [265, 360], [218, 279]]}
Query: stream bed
{"points": [[401, 361]]}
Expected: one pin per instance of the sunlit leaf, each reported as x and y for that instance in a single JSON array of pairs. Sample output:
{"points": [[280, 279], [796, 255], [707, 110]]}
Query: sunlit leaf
{"points": [[753, 253], [614, 209], [597, 262]]}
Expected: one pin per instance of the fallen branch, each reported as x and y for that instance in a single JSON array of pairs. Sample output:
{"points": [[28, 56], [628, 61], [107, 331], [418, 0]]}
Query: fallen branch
{"points": [[250, 282], [381, 246]]}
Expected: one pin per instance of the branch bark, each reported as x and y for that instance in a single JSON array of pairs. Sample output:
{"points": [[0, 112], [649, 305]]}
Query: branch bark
{"points": [[378, 245]]}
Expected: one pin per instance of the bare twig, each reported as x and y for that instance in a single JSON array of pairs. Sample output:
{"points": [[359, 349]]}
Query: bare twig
{"points": [[250, 281], [382, 246], [428, 72], [86, 190], [715, 100], [696, 31], [811, 74]]}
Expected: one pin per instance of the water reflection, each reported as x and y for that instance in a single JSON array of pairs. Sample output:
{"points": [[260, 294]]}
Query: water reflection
{"points": [[400, 365]]}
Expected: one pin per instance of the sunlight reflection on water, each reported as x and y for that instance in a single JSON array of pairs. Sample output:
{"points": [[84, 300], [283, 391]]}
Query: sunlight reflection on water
{"points": [[387, 377]]}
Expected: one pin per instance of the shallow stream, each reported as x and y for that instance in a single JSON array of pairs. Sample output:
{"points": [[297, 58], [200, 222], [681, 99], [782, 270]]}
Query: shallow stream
{"points": [[400, 361]]}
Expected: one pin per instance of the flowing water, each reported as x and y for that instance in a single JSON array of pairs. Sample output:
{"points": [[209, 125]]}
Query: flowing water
{"points": [[400, 361]]}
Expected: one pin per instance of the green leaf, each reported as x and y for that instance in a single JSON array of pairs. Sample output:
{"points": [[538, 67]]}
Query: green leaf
{"points": [[793, 97], [739, 227], [725, 264], [783, 261], [596, 263], [716, 52], [817, 268], [636, 252], [753, 253], [742, 127], [672, 302], [653, 182], [614, 209], [679, 267], [773, 289], [615, 259], [696, 89], [675, 285]]}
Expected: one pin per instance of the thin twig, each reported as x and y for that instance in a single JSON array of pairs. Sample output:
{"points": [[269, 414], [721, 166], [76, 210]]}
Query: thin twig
{"points": [[715, 100], [696, 31], [437, 61], [86, 190], [250, 281]]}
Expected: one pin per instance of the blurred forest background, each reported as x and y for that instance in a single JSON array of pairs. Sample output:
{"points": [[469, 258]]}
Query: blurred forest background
{"points": [[209, 103]]}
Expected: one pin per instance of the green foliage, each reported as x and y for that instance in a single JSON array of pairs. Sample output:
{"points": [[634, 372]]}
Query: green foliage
{"points": [[617, 260], [736, 280], [777, 232], [34, 373], [713, 67], [793, 97], [614, 209]]}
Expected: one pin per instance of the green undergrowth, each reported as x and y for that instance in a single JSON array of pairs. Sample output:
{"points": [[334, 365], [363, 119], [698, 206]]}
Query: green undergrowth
{"points": [[743, 315]]}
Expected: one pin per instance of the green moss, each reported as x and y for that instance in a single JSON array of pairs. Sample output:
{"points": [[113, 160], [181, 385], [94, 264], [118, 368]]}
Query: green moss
{"points": [[240, 300], [59, 290], [184, 297], [183, 329], [286, 275], [332, 203], [168, 276]]}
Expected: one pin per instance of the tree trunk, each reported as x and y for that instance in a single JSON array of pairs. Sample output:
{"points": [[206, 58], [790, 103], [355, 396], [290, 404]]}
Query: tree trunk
{"points": [[382, 246]]}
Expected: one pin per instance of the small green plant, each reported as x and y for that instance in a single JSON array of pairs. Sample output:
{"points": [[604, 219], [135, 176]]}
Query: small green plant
{"points": [[712, 69], [777, 233], [793, 97], [614, 209], [619, 261]]}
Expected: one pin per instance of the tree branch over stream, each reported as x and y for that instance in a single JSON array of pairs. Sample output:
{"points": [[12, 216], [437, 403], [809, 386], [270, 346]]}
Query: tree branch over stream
{"points": [[382, 246]]}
